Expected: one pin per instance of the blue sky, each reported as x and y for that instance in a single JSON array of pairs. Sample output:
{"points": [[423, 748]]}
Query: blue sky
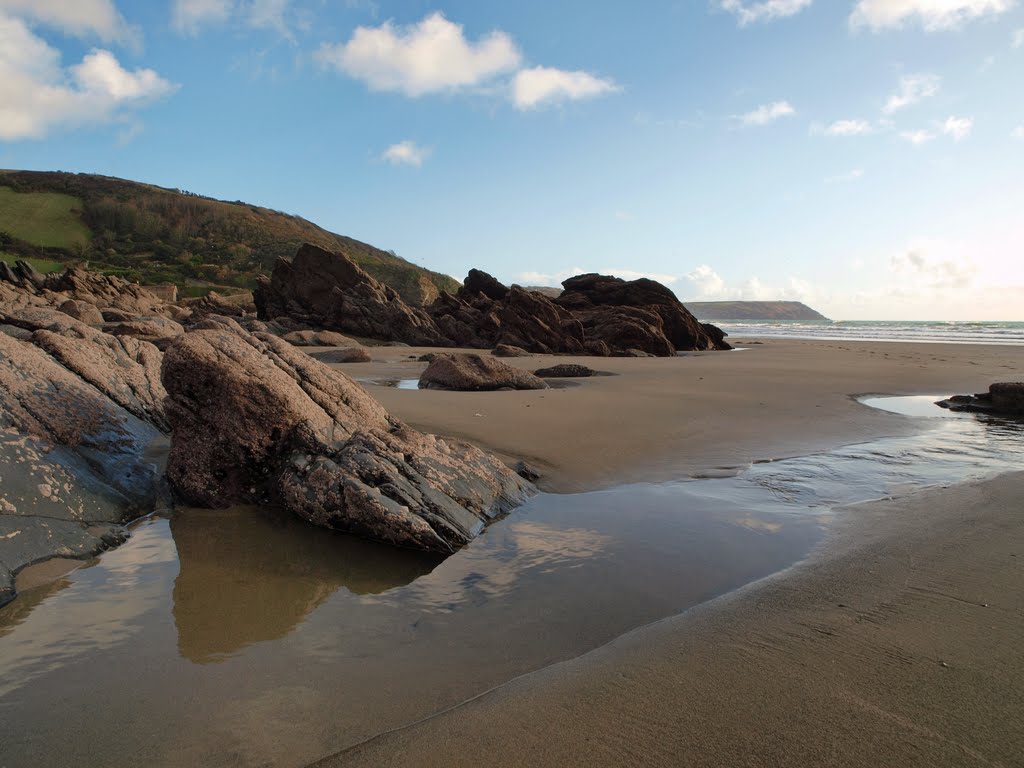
{"points": [[865, 156]]}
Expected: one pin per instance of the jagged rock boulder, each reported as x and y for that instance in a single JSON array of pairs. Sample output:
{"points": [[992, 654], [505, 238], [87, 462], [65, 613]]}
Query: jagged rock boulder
{"points": [[214, 303], [478, 281], [506, 350], [1005, 398], [565, 371], [83, 311], [604, 304], [319, 339], [345, 355], [328, 290], [473, 373], [160, 331], [256, 420]]}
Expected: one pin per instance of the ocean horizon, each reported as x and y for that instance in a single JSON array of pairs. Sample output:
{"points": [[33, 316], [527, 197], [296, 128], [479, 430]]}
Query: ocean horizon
{"points": [[930, 332]]}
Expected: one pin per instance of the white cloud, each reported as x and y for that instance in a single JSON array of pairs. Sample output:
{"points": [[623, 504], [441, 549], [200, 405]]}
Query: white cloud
{"points": [[82, 18], [539, 86], [917, 138], [406, 153], [931, 14], [842, 178], [430, 56], [958, 127], [763, 10], [843, 128], [554, 279], [934, 264], [1018, 38], [767, 113], [189, 15], [913, 88], [707, 285], [38, 95], [1018, 132]]}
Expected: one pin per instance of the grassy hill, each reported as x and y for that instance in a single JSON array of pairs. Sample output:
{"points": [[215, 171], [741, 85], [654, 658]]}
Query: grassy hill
{"points": [[154, 235]]}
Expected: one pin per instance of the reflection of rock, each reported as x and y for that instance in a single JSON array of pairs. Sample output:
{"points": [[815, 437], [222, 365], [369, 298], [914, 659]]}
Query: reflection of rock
{"points": [[1005, 398], [249, 575]]}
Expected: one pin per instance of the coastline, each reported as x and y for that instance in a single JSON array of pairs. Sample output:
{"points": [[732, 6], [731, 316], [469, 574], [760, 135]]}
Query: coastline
{"points": [[895, 643]]}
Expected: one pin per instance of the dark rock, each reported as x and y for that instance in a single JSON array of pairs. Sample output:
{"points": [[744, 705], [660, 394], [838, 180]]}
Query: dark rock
{"points": [[15, 332], [328, 290], [255, 420], [506, 350], [527, 471], [428, 357], [481, 282], [319, 339], [1005, 398], [565, 371], [348, 355], [467, 372]]}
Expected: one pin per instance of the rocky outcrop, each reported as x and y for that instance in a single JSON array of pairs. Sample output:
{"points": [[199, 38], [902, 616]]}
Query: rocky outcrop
{"points": [[565, 371], [1006, 398], [319, 339], [505, 350], [255, 420], [160, 331], [473, 373], [328, 290], [636, 314], [344, 355], [83, 311]]}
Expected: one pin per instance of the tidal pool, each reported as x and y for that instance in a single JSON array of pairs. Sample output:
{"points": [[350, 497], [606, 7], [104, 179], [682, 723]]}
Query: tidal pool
{"points": [[247, 638]]}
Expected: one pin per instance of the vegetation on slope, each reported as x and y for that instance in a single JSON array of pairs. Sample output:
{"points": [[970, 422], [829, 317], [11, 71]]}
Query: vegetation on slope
{"points": [[154, 235]]}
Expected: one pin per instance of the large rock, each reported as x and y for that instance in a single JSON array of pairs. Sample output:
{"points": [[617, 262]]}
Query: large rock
{"points": [[157, 330], [72, 460], [602, 303], [473, 373], [328, 290], [255, 420], [319, 339], [1005, 398], [565, 371], [83, 311]]}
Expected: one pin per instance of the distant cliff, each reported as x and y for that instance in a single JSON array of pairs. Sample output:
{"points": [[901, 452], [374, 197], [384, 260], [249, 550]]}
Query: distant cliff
{"points": [[784, 311]]}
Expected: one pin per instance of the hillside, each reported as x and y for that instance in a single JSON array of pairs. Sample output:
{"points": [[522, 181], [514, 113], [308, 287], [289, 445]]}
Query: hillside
{"points": [[149, 234], [782, 311]]}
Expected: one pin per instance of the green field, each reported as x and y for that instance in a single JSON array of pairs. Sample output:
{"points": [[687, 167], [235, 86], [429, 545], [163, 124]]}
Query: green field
{"points": [[41, 265], [46, 219]]}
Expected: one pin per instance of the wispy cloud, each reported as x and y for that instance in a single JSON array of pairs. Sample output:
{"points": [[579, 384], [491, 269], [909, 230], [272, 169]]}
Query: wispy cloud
{"points": [[1018, 132], [932, 15], [912, 89], [81, 18], [542, 86], [918, 137], [406, 153], [958, 127], [855, 127], [747, 12], [767, 113]]}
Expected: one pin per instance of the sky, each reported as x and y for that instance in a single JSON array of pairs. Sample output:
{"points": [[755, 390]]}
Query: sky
{"points": [[863, 156]]}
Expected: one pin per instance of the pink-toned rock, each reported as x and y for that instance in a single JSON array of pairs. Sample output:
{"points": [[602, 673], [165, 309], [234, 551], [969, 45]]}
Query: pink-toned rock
{"points": [[83, 311], [344, 355], [255, 420], [468, 372], [319, 339]]}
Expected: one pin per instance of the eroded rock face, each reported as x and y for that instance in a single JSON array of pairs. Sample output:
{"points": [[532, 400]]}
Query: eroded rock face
{"points": [[1006, 398], [328, 290], [473, 373], [255, 420], [319, 339], [506, 350], [156, 330], [344, 355]]}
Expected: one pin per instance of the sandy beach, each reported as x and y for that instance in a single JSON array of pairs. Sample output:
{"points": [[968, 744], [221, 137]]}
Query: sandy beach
{"points": [[663, 419], [895, 643]]}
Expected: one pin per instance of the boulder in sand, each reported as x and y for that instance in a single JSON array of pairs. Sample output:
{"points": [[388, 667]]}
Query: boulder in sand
{"points": [[474, 373], [257, 421], [1005, 398], [345, 355], [319, 339], [565, 371]]}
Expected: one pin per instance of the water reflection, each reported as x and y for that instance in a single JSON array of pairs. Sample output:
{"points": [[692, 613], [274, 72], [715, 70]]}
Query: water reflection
{"points": [[249, 575]]}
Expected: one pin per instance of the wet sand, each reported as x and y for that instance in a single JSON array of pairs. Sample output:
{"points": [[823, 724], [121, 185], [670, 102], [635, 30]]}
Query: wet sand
{"points": [[897, 643], [666, 418]]}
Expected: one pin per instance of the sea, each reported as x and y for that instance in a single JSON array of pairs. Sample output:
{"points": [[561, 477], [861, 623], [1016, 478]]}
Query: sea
{"points": [[939, 332]]}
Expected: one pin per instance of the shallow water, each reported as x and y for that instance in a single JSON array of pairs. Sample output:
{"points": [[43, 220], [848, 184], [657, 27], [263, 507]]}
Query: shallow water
{"points": [[244, 637]]}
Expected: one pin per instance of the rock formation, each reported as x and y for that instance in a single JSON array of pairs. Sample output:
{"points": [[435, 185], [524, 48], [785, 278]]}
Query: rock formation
{"points": [[255, 420], [473, 373], [1006, 398], [328, 290], [565, 371]]}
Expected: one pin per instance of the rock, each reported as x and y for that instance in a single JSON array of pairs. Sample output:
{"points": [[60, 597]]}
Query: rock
{"points": [[117, 316], [73, 461], [468, 372], [348, 355], [481, 282], [214, 304], [319, 339], [256, 421], [527, 471], [635, 353], [1005, 398], [83, 311], [565, 371], [15, 332], [428, 357], [156, 330], [506, 350], [328, 290]]}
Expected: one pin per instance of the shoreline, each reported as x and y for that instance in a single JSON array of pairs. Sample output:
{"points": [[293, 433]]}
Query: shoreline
{"points": [[893, 642]]}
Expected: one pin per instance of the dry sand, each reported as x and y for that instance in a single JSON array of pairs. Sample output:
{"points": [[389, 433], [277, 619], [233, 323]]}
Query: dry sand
{"points": [[897, 643], [666, 418]]}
